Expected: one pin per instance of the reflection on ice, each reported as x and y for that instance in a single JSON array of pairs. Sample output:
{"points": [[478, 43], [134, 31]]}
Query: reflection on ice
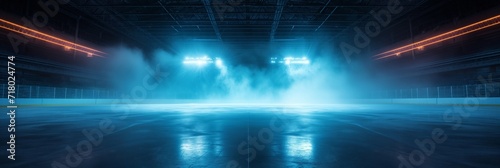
{"points": [[200, 148], [299, 147], [205, 135], [193, 147], [232, 107]]}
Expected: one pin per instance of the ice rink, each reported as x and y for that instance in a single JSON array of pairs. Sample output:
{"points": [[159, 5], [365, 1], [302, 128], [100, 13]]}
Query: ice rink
{"points": [[255, 135]]}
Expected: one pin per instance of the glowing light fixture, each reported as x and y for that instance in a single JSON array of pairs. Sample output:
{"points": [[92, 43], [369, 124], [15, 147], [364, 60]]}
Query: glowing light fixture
{"points": [[291, 60], [67, 45], [274, 60], [442, 37], [218, 62], [200, 61], [297, 60]]}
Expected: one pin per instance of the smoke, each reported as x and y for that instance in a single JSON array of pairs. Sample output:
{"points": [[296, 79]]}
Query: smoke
{"points": [[320, 82], [124, 67]]}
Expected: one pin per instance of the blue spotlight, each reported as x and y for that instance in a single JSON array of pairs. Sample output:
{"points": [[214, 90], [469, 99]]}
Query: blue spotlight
{"points": [[274, 60], [297, 60], [218, 62], [199, 61], [291, 60]]}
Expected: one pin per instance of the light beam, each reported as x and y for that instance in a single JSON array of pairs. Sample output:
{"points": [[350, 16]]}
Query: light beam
{"points": [[442, 37], [67, 45]]}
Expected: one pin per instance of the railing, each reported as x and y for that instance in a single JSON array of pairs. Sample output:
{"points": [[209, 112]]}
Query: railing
{"points": [[475, 90], [23, 91]]}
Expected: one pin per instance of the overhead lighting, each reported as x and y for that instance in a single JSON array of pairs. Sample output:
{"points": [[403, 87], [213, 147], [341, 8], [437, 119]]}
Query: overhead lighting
{"points": [[297, 60], [67, 45], [274, 60], [218, 62], [291, 60], [442, 37], [200, 61]]}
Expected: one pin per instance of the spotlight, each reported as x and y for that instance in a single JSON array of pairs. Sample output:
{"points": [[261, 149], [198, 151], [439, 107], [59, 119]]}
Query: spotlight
{"points": [[274, 60], [203, 61], [218, 62], [200, 61], [292, 60]]}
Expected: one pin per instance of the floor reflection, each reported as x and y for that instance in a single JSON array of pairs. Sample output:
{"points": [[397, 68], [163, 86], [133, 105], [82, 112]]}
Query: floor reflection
{"points": [[299, 146], [193, 147], [199, 144], [321, 139]]}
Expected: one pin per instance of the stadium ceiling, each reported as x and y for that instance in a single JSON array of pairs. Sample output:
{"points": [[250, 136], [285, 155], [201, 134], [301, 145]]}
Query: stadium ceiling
{"points": [[233, 21]]}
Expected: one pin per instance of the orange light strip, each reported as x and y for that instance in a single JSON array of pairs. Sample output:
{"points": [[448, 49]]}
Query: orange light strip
{"points": [[48, 38], [442, 37]]}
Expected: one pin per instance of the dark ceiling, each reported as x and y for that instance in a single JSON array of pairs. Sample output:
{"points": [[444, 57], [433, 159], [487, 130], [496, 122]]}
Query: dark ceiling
{"points": [[233, 21], [153, 24], [159, 23]]}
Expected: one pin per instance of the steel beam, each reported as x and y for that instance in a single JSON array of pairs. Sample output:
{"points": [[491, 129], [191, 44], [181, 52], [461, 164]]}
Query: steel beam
{"points": [[277, 17], [328, 17], [211, 17], [325, 6], [165, 9], [132, 29]]}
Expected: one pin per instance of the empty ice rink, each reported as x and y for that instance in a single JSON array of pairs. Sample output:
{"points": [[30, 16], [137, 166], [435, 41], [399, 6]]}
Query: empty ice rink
{"points": [[250, 84], [269, 136]]}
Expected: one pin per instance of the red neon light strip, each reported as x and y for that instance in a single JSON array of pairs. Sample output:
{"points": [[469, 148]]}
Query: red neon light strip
{"points": [[442, 37], [48, 38]]}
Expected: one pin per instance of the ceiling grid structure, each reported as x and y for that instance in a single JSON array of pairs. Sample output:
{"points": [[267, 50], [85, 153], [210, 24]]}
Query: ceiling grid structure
{"points": [[239, 21]]}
